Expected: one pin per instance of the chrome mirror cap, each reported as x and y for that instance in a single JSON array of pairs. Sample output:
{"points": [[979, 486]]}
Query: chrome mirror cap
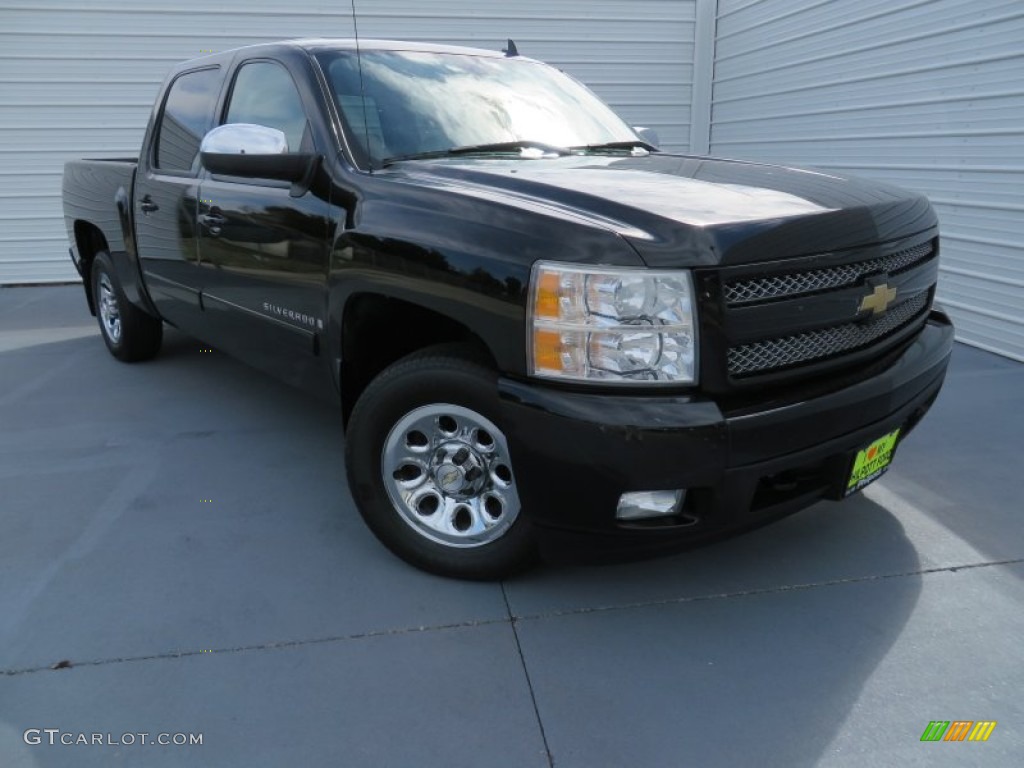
{"points": [[244, 139]]}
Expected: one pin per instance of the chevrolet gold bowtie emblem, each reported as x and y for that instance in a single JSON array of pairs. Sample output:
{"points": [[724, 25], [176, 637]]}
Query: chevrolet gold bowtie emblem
{"points": [[878, 300]]}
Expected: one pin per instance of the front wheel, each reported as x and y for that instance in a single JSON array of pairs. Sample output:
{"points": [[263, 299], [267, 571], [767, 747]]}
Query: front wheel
{"points": [[431, 470]]}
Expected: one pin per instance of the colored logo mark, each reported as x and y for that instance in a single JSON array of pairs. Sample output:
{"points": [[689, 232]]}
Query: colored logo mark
{"points": [[878, 300], [958, 730]]}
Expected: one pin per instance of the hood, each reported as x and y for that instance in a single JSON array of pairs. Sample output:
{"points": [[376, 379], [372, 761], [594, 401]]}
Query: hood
{"points": [[691, 211]]}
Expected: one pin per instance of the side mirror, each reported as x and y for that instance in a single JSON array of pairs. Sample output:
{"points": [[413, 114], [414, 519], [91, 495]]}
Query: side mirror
{"points": [[253, 152], [648, 135]]}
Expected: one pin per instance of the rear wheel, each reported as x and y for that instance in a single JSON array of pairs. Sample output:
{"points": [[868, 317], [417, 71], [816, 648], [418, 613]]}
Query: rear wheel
{"points": [[130, 334], [431, 471]]}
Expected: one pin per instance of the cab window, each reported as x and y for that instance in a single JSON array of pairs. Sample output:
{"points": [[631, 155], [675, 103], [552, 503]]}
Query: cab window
{"points": [[265, 94], [186, 117]]}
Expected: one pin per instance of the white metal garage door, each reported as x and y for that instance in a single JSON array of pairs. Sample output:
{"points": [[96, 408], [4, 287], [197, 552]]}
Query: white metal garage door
{"points": [[928, 94], [78, 77]]}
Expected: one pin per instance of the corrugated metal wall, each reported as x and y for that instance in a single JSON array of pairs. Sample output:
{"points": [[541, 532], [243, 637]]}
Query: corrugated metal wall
{"points": [[928, 94], [925, 93], [77, 79]]}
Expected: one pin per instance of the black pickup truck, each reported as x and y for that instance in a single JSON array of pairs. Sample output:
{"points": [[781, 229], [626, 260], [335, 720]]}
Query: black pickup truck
{"points": [[541, 331]]}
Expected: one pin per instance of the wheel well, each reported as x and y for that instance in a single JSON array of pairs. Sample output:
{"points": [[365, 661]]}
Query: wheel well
{"points": [[377, 331], [89, 241]]}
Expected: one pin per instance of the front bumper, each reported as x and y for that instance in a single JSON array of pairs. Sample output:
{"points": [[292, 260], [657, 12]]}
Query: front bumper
{"points": [[576, 453]]}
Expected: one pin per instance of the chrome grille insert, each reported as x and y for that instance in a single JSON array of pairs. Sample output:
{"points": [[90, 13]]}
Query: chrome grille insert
{"points": [[811, 281], [772, 354]]}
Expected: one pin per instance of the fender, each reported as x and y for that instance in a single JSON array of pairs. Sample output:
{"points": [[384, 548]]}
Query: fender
{"points": [[129, 268]]}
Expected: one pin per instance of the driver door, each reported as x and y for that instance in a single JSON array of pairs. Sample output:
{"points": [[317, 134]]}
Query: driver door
{"points": [[263, 250]]}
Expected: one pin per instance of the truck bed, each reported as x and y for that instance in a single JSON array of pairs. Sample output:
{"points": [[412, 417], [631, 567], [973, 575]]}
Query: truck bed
{"points": [[99, 192]]}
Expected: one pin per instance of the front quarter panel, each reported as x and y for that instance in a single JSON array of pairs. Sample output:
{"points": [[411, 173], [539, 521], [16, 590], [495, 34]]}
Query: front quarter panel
{"points": [[461, 256]]}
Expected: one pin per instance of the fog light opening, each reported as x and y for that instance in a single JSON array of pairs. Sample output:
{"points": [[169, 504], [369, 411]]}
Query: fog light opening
{"points": [[644, 505]]}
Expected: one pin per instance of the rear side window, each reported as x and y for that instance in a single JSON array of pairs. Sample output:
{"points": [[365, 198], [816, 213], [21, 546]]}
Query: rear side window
{"points": [[265, 94], [187, 116]]}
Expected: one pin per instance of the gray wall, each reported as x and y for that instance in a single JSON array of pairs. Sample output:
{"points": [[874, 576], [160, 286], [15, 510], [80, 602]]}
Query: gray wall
{"points": [[81, 82], [927, 95]]}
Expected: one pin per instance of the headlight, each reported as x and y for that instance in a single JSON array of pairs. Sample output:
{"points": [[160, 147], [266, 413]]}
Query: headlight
{"points": [[613, 326]]}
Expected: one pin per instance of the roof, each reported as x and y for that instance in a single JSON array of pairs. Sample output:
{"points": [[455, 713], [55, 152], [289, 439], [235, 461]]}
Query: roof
{"points": [[324, 44], [317, 45]]}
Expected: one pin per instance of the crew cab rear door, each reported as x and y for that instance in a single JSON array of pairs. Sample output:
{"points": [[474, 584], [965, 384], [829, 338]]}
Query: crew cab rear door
{"points": [[262, 249]]}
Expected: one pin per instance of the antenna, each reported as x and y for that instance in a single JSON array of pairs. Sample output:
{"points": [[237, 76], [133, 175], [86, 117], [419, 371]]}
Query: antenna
{"points": [[511, 50], [362, 88]]}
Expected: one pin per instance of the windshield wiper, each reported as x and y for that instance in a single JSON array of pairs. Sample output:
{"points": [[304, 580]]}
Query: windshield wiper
{"points": [[478, 149], [616, 145], [508, 146]]}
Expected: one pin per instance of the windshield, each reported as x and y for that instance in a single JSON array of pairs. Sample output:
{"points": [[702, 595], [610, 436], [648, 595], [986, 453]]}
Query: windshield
{"points": [[419, 102]]}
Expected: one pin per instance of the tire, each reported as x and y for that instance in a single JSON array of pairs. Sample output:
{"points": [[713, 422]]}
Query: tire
{"points": [[430, 470], [130, 334]]}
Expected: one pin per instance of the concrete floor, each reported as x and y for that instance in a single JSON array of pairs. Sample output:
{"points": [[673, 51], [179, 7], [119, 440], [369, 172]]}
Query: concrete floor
{"points": [[271, 622]]}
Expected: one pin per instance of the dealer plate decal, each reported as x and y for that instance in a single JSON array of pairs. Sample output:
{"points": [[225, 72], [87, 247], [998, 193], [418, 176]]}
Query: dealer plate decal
{"points": [[872, 461]]}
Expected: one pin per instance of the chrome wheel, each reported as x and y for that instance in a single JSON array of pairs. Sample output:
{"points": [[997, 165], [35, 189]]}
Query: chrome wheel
{"points": [[448, 474], [110, 312]]}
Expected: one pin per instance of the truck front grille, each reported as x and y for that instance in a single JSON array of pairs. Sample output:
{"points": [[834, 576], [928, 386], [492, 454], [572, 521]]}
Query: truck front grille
{"points": [[794, 284], [774, 354]]}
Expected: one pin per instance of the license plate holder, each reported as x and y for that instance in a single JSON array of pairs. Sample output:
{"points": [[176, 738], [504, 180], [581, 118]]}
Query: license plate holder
{"points": [[871, 462]]}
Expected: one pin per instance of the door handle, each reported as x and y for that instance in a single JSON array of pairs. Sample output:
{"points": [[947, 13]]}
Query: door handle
{"points": [[212, 222], [148, 206]]}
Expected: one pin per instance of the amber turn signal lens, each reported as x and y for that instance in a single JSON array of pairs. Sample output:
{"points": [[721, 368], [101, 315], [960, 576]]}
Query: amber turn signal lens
{"points": [[547, 350], [547, 296]]}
